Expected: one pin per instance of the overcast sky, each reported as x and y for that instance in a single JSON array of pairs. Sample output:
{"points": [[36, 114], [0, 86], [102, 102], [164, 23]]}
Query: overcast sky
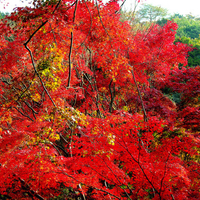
{"points": [[174, 6], [8, 5], [183, 7]]}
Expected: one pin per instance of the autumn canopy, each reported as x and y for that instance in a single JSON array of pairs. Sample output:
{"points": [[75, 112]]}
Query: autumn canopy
{"points": [[90, 109]]}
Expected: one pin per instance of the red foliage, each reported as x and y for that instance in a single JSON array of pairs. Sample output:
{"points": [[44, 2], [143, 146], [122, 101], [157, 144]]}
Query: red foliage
{"points": [[83, 108]]}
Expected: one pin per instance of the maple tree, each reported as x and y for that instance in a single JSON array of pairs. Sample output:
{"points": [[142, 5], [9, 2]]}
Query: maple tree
{"points": [[86, 111]]}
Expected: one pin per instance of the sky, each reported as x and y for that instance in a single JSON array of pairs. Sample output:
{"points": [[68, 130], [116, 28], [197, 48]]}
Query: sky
{"points": [[173, 6], [182, 7]]}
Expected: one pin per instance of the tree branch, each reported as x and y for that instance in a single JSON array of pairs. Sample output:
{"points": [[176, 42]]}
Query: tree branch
{"points": [[33, 63], [71, 46]]}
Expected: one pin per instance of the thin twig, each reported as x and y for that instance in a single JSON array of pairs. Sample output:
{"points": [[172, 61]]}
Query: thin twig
{"points": [[32, 192], [88, 185], [164, 173], [90, 25], [140, 96], [24, 114], [53, 34], [138, 162], [102, 21]]}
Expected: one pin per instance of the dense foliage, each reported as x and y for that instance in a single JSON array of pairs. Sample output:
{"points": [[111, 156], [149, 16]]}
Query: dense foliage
{"points": [[90, 109], [187, 33], [188, 26], [2, 15]]}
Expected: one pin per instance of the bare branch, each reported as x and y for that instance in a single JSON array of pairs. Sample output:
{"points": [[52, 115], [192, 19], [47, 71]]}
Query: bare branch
{"points": [[33, 63], [23, 114], [71, 45]]}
